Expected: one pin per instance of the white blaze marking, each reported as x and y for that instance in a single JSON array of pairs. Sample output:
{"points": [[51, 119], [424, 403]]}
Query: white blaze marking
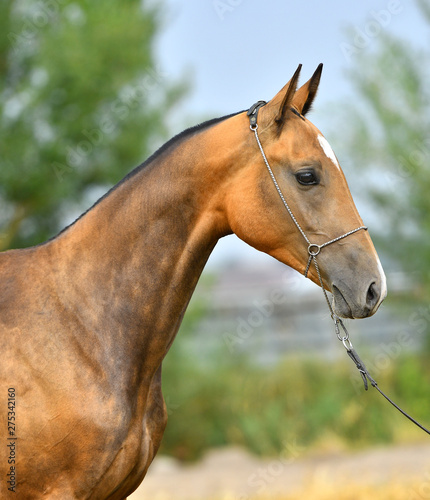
{"points": [[328, 150], [383, 283]]}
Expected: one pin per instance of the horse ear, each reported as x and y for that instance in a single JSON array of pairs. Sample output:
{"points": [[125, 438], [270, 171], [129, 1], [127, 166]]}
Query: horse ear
{"points": [[276, 109], [304, 97]]}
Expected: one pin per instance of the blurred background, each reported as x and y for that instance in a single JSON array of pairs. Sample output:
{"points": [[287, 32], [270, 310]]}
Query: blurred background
{"points": [[262, 400]]}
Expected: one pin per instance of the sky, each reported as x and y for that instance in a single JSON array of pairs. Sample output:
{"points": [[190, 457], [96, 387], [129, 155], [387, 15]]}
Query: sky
{"points": [[236, 52]]}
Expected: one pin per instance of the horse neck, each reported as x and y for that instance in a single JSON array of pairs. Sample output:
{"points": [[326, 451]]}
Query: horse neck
{"points": [[137, 255]]}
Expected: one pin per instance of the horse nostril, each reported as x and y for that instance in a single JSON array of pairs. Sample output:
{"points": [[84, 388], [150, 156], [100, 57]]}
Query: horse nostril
{"points": [[372, 296]]}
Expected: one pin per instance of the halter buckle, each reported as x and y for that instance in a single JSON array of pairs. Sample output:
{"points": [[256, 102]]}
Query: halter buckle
{"points": [[253, 114]]}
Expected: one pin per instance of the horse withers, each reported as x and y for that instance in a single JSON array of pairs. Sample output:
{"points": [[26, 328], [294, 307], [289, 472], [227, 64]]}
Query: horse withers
{"points": [[87, 317]]}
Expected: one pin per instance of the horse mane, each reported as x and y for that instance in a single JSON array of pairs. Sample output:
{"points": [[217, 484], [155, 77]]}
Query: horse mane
{"points": [[173, 142]]}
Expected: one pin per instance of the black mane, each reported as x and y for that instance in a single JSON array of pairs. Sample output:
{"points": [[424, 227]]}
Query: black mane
{"points": [[177, 139], [172, 142]]}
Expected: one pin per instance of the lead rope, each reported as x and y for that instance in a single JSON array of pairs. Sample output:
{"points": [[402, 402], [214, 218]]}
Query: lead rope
{"points": [[313, 250]]}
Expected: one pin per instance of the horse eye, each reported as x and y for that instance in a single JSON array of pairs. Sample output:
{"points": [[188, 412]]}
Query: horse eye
{"points": [[306, 178]]}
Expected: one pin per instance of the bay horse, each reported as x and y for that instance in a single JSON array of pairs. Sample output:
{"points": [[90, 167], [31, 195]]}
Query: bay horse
{"points": [[87, 317]]}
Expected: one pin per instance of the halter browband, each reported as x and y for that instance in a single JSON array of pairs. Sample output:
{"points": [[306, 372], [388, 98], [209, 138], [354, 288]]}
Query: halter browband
{"points": [[313, 251]]}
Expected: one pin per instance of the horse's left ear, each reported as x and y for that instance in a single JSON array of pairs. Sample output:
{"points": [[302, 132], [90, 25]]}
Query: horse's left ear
{"points": [[304, 97], [275, 112]]}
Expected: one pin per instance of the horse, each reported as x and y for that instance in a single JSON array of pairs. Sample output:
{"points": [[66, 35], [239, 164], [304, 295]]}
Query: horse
{"points": [[87, 317]]}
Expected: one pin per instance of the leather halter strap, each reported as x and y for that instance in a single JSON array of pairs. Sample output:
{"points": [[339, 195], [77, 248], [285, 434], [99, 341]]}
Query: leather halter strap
{"points": [[253, 112]]}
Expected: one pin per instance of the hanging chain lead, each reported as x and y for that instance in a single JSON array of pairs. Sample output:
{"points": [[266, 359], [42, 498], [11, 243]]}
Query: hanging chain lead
{"points": [[313, 251]]}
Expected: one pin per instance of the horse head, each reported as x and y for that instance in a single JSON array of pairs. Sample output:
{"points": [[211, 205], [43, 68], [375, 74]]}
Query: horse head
{"points": [[310, 178]]}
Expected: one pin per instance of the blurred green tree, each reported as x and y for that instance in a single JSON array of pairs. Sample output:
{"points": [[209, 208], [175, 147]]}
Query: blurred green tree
{"points": [[82, 101], [388, 146]]}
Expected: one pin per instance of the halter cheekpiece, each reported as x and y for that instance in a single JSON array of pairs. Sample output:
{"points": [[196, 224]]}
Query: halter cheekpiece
{"points": [[313, 248]]}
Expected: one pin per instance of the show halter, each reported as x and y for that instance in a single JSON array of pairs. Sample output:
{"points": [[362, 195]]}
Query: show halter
{"points": [[314, 250]]}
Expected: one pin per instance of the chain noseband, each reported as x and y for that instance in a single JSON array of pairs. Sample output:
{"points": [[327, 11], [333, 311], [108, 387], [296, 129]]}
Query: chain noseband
{"points": [[313, 251]]}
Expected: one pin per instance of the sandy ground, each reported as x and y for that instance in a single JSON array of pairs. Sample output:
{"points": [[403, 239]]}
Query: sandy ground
{"points": [[234, 474]]}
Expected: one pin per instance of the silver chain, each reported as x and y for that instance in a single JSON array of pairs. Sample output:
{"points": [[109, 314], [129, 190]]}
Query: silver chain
{"points": [[272, 175]]}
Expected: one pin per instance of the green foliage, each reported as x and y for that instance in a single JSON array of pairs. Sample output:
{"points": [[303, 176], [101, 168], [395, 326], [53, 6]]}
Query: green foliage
{"points": [[388, 147], [297, 406], [82, 102]]}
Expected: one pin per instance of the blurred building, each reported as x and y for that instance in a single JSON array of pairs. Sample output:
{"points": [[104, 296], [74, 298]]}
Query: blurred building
{"points": [[270, 311]]}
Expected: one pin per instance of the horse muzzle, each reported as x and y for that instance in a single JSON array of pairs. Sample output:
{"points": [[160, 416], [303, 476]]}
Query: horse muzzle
{"points": [[360, 302]]}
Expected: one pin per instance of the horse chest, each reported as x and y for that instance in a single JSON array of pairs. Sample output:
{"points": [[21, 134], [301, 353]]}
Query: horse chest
{"points": [[137, 449]]}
